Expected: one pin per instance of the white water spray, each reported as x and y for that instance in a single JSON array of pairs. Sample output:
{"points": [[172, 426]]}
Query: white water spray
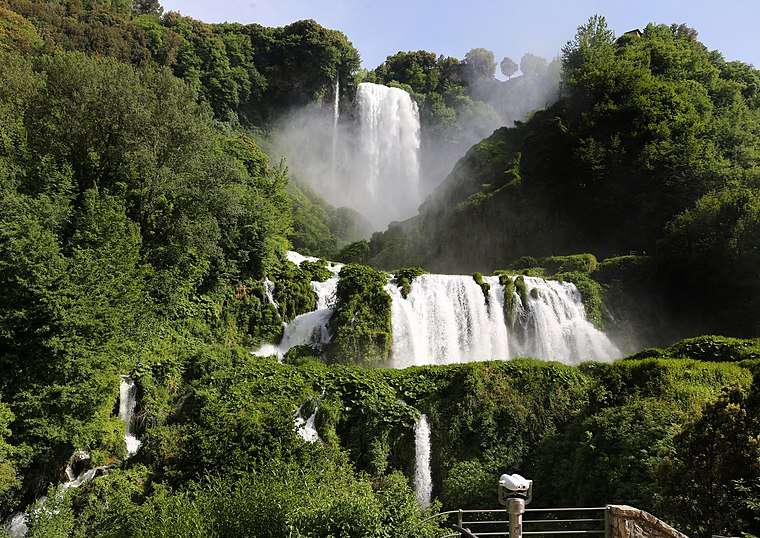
{"points": [[307, 428], [389, 143], [336, 119], [423, 483], [311, 328], [127, 404], [446, 319]]}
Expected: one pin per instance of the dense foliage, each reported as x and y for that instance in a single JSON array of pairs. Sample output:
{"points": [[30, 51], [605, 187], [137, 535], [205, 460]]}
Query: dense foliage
{"points": [[653, 148], [143, 232]]}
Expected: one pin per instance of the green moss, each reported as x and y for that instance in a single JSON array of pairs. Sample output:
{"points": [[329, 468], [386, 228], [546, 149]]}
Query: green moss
{"points": [[510, 307], [361, 323], [522, 290], [534, 293], [404, 277], [624, 268], [583, 263], [316, 271], [292, 290], [591, 294], [709, 348], [248, 318], [484, 286]]}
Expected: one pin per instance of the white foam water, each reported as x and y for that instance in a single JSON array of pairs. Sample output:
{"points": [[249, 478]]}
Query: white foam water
{"points": [[423, 482]]}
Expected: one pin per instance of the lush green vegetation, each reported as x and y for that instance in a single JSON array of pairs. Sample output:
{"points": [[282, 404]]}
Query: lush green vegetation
{"points": [[222, 443], [653, 148], [404, 277], [143, 229], [361, 322]]}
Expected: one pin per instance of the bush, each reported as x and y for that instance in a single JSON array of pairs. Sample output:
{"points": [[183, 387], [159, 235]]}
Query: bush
{"points": [[403, 278], [583, 263], [316, 271], [361, 322]]}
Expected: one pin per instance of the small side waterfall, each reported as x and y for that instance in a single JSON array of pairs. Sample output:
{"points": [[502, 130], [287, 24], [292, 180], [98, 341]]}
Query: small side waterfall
{"points": [[127, 404], [17, 526], [311, 328], [307, 428], [423, 482], [336, 119]]}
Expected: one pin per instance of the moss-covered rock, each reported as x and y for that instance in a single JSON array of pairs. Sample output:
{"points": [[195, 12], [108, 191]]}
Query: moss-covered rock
{"points": [[292, 290], [591, 294], [484, 286], [361, 323], [316, 271], [404, 277]]}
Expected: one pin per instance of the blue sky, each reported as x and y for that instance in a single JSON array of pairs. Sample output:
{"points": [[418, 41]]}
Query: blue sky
{"points": [[507, 27]]}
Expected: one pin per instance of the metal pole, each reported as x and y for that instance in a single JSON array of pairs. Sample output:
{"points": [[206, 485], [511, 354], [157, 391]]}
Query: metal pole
{"points": [[516, 511], [607, 521], [459, 519]]}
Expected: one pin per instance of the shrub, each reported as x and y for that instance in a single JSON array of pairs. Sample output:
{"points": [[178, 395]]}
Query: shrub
{"points": [[361, 323], [403, 278], [316, 271]]}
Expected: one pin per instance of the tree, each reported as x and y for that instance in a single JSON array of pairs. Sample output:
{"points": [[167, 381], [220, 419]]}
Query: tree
{"points": [[532, 65], [712, 482], [147, 7], [508, 67], [480, 64]]}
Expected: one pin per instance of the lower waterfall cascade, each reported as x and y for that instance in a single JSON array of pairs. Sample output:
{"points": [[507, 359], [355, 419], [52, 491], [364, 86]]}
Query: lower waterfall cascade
{"points": [[446, 319]]}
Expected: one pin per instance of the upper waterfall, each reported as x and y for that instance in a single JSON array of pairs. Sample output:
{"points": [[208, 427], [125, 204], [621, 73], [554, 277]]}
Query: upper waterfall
{"points": [[389, 143]]}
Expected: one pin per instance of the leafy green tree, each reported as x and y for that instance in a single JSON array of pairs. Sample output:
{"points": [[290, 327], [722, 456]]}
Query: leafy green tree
{"points": [[532, 65], [508, 67], [712, 481], [480, 64]]}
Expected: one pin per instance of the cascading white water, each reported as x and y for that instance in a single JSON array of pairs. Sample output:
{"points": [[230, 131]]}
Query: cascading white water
{"points": [[17, 526], [307, 428], [555, 327], [389, 143], [127, 404], [446, 319], [423, 482], [311, 328], [336, 119]]}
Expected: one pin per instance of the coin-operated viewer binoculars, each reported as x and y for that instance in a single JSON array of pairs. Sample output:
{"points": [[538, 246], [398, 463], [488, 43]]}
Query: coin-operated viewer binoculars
{"points": [[515, 492]]}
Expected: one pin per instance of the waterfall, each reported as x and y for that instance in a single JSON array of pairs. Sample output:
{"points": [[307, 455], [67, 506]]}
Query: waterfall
{"points": [[307, 428], [17, 526], [336, 119], [311, 328], [423, 483], [446, 319], [389, 142], [127, 404], [554, 325]]}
